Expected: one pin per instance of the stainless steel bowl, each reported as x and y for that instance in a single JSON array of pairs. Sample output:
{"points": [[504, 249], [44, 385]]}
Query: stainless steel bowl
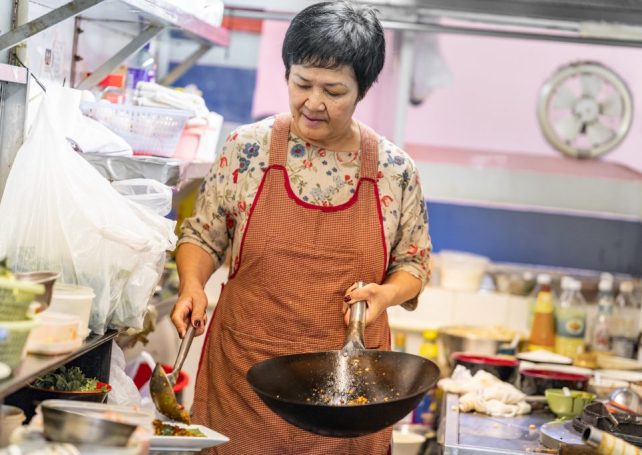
{"points": [[47, 279], [75, 428]]}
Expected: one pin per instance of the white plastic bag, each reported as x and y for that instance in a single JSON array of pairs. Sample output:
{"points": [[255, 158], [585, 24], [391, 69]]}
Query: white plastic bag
{"points": [[94, 137], [123, 390], [60, 214], [149, 193]]}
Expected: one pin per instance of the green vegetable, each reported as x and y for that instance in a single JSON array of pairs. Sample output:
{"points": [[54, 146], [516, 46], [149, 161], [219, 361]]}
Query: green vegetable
{"points": [[68, 380]]}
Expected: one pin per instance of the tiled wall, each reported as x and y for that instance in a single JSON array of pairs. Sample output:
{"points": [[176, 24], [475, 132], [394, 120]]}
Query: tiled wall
{"points": [[440, 307]]}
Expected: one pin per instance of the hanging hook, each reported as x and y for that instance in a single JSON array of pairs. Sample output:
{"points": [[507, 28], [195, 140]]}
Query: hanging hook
{"points": [[32, 75]]}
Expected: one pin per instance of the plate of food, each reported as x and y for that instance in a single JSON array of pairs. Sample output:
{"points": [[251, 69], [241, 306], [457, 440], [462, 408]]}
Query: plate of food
{"points": [[179, 437]]}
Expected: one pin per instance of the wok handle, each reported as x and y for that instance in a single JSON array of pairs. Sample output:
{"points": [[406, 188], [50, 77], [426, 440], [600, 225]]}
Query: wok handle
{"points": [[357, 324], [182, 351]]}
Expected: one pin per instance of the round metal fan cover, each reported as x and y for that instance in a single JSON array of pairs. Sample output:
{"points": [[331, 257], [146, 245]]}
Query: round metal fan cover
{"points": [[585, 110]]}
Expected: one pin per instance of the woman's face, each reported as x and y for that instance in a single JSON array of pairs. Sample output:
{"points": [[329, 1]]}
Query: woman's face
{"points": [[322, 102]]}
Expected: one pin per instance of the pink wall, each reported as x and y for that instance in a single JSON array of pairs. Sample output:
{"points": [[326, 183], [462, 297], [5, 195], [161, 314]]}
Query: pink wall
{"points": [[492, 101]]}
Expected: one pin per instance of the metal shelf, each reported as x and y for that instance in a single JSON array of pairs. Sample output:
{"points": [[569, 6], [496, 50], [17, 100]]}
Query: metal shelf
{"points": [[157, 13], [171, 172], [33, 366]]}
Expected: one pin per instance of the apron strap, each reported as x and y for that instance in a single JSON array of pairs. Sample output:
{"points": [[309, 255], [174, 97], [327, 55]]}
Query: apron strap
{"points": [[279, 142], [369, 146], [369, 152]]}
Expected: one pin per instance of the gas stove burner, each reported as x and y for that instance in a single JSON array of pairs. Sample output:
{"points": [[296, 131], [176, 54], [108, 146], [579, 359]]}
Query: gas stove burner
{"points": [[622, 425]]}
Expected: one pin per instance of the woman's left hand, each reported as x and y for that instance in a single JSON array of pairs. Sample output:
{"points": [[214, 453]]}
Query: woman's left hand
{"points": [[378, 297]]}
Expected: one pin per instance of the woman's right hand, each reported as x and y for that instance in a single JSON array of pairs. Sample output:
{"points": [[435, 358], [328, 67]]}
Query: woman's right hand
{"points": [[190, 309]]}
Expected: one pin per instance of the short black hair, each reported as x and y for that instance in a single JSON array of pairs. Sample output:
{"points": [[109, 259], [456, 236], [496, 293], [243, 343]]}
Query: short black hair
{"points": [[332, 34]]}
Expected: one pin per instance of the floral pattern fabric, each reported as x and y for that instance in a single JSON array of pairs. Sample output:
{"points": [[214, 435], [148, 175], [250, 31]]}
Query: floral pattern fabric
{"points": [[317, 176]]}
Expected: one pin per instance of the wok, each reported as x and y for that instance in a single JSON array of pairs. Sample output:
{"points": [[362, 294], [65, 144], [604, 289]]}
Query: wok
{"points": [[346, 393]]}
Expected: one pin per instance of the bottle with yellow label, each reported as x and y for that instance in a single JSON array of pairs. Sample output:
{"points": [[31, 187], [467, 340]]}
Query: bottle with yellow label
{"points": [[542, 335], [570, 319]]}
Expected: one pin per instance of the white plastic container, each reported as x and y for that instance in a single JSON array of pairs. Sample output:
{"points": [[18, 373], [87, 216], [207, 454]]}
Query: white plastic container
{"points": [[73, 300], [11, 418], [406, 443], [58, 333], [462, 271]]}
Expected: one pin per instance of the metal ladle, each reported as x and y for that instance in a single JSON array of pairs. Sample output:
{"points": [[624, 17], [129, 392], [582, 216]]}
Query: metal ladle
{"points": [[161, 385]]}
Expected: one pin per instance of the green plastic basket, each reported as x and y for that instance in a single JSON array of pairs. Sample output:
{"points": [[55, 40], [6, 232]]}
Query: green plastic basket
{"points": [[15, 298], [13, 338]]}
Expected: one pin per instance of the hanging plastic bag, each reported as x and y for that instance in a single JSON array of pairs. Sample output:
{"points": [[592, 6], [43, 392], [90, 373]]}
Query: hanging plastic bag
{"points": [[60, 214], [149, 193]]}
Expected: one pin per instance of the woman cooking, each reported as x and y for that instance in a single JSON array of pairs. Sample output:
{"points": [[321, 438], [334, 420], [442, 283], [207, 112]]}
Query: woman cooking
{"points": [[310, 202]]}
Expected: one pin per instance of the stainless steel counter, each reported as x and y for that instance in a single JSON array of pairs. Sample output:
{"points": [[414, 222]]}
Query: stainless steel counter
{"points": [[472, 433]]}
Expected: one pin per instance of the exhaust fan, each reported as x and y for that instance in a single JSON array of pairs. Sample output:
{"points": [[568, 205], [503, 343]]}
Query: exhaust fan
{"points": [[585, 110]]}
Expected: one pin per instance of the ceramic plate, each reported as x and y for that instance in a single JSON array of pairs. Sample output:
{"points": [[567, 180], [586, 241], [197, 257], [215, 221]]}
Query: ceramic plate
{"points": [[544, 357], [556, 367], [187, 443], [617, 363], [630, 376]]}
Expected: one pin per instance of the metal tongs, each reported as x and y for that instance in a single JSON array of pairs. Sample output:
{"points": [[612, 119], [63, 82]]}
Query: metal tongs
{"points": [[161, 385]]}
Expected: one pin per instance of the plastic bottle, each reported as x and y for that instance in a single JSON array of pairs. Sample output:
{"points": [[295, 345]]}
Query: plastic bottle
{"points": [[543, 327], [570, 319], [425, 412], [624, 322], [142, 68], [400, 342], [600, 335]]}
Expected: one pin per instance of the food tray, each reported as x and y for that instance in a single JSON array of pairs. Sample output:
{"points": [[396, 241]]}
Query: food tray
{"points": [[150, 130]]}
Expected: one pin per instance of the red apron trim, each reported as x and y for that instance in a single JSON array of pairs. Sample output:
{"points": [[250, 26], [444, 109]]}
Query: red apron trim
{"points": [[247, 224], [383, 233]]}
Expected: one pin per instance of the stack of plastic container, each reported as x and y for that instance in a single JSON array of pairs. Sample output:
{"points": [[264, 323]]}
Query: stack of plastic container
{"points": [[16, 311]]}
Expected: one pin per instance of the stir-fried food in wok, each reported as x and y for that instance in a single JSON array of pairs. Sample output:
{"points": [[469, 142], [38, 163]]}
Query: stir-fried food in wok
{"points": [[352, 384]]}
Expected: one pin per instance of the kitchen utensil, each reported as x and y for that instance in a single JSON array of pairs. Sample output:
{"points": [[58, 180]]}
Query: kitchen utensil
{"points": [[161, 385], [628, 398], [75, 428], [535, 381], [607, 444], [47, 279], [569, 405], [505, 368], [313, 390]]}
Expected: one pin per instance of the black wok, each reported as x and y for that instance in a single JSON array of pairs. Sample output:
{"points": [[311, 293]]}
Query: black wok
{"points": [[346, 393]]}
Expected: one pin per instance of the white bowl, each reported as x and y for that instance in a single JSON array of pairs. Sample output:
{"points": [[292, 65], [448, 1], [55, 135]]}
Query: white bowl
{"points": [[406, 443], [462, 271]]}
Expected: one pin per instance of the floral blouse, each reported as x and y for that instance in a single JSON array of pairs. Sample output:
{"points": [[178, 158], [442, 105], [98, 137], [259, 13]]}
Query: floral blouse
{"points": [[319, 177]]}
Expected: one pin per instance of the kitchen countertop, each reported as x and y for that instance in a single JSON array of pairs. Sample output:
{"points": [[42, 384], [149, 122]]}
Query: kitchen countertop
{"points": [[473, 433]]}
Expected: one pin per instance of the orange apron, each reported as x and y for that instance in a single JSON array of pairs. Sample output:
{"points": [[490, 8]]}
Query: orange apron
{"points": [[285, 297]]}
